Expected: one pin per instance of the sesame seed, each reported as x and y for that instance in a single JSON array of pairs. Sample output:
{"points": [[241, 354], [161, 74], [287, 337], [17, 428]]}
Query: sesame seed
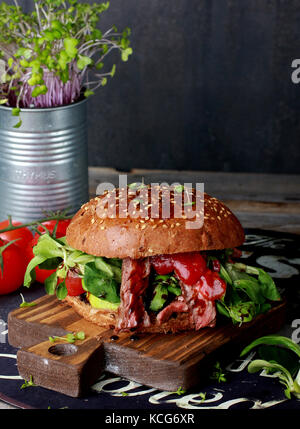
{"points": [[177, 224], [102, 227], [165, 226], [143, 226], [93, 220], [219, 217], [154, 226]]}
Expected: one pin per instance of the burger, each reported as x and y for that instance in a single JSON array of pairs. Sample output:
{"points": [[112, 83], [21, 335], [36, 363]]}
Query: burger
{"points": [[139, 270]]}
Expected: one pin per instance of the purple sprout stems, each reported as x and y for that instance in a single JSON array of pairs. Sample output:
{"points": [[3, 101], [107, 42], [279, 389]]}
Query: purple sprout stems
{"points": [[58, 94]]}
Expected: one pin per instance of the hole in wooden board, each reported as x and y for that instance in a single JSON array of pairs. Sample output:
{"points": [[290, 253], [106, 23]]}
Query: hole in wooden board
{"points": [[63, 349]]}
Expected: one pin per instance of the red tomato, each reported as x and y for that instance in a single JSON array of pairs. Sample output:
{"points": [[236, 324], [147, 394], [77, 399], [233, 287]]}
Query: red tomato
{"points": [[23, 234], [42, 275], [14, 267], [73, 284], [61, 228]]}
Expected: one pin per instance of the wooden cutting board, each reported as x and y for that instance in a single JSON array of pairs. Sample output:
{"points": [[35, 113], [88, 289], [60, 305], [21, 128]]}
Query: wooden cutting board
{"points": [[163, 361]]}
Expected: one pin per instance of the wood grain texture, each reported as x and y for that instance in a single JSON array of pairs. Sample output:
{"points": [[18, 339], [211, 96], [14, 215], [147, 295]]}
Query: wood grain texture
{"points": [[163, 361]]}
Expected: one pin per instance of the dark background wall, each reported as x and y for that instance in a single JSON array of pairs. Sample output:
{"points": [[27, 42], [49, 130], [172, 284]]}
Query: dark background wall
{"points": [[207, 88]]}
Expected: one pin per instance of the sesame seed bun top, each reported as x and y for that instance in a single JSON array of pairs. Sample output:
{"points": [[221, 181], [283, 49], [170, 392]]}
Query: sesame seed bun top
{"points": [[135, 223]]}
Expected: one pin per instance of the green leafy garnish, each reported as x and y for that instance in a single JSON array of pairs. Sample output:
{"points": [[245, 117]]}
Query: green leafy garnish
{"points": [[164, 285], [278, 361], [29, 383], [218, 374], [249, 292], [100, 283], [180, 391], [100, 276], [26, 304], [70, 338]]}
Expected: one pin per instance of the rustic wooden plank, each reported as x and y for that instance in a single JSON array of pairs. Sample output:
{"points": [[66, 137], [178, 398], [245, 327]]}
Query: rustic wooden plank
{"points": [[164, 361]]}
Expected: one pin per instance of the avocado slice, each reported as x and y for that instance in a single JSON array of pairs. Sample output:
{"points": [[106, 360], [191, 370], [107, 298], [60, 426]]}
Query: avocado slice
{"points": [[101, 303]]}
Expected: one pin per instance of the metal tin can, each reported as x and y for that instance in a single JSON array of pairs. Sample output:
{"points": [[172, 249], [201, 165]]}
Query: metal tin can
{"points": [[44, 163]]}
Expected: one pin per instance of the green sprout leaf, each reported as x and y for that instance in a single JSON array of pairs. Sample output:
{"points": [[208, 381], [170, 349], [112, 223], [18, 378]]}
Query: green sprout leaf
{"points": [[29, 383], [126, 53], [70, 45], [83, 61]]}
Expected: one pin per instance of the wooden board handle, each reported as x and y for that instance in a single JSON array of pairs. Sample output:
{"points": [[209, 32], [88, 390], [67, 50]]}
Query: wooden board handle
{"points": [[61, 366]]}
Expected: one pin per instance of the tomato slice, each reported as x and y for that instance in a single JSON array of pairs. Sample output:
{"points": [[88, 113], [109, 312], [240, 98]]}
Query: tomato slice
{"points": [[74, 284]]}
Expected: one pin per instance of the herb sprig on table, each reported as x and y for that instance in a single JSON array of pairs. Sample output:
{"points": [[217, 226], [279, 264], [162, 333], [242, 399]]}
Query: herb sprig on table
{"points": [[279, 356]]}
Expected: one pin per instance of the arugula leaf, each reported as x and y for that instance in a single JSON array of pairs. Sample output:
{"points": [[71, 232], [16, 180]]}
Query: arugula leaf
{"points": [[160, 297], [50, 264], [51, 283], [100, 284], [163, 285], [268, 286], [30, 270], [278, 361], [247, 293], [274, 340], [61, 290], [252, 288]]}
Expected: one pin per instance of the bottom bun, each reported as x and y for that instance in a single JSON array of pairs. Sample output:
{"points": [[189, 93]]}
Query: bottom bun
{"points": [[109, 319]]}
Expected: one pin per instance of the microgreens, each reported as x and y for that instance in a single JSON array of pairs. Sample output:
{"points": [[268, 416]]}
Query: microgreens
{"points": [[70, 338], [218, 373], [202, 396], [26, 304], [180, 391], [29, 383], [55, 54]]}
